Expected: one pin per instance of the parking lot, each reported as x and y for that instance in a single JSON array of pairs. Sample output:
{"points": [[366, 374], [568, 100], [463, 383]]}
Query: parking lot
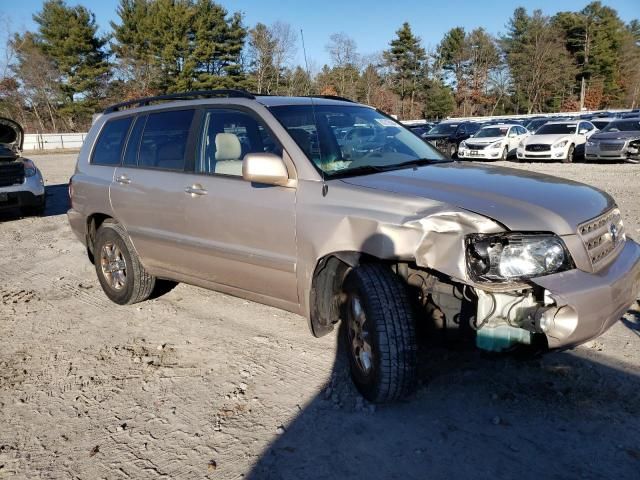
{"points": [[197, 384]]}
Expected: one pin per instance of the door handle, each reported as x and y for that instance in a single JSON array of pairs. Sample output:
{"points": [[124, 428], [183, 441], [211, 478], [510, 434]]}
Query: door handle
{"points": [[195, 190], [123, 179]]}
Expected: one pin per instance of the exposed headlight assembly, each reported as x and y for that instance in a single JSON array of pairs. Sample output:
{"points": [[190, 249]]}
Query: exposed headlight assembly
{"points": [[561, 144], [509, 257], [29, 168]]}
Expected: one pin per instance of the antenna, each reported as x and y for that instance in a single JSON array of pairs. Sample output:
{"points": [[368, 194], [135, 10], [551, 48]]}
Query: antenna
{"points": [[325, 187]]}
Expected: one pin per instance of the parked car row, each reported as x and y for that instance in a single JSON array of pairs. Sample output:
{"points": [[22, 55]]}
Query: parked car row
{"points": [[593, 137]]}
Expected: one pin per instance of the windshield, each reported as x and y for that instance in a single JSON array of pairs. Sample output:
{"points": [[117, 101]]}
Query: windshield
{"points": [[623, 126], [339, 139], [600, 123], [444, 129], [491, 132], [551, 128]]}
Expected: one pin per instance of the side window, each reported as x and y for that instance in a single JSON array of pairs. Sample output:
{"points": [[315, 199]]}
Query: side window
{"points": [[227, 136], [164, 141], [133, 143], [108, 149]]}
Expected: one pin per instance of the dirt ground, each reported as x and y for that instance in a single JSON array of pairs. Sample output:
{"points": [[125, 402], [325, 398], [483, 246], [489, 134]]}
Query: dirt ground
{"points": [[196, 384]]}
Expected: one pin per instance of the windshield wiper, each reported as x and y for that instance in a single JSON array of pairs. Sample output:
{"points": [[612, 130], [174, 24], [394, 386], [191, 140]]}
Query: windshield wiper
{"points": [[369, 169], [418, 162]]}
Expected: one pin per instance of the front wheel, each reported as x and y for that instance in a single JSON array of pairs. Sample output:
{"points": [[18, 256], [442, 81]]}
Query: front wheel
{"points": [[505, 154], [121, 275], [452, 150], [570, 154], [380, 333]]}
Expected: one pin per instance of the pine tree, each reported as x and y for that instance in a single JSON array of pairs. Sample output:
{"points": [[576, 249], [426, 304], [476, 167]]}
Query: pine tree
{"points": [[68, 37], [406, 58]]}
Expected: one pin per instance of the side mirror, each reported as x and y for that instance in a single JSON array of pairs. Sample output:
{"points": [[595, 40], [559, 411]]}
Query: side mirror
{"points": [[583, 131], [264, 168]]}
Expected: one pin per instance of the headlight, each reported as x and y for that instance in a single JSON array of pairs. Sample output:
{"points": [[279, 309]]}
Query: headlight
{"points": [[514, 256], [497, 144], [29, 168], [560, 144], [591, 144], [521, 144], [463, 144]]}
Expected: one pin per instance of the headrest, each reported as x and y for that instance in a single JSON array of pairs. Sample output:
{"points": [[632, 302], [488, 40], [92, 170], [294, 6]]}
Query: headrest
{"points": [[228, 147]]}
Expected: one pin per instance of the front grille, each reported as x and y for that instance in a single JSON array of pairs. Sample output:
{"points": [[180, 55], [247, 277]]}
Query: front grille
{"points": [[603, 237], [11, 173], [611, 147], [476, 146], [537, 147]]}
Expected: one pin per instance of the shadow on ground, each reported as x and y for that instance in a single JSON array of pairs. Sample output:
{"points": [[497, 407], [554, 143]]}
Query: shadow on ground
{"points": [[57, 204], [560, 416]]}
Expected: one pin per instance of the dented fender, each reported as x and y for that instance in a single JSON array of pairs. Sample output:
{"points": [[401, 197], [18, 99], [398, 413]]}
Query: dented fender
{"points": [[352, 221]]}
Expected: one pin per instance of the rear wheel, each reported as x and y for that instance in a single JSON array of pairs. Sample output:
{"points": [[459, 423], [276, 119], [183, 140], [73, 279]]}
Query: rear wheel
{"points": [[121, 275], [380, 333], [570, 154]]}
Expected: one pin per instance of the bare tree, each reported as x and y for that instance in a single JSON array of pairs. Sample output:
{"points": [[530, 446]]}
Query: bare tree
{"points": [[261, 50], [346, 62], [285, 43]]}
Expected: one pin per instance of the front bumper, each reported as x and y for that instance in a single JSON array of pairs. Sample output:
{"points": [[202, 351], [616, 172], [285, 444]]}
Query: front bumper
{"points": [[594, 153], [548, 155], [484, 154], [590, 303], [29, 193]]}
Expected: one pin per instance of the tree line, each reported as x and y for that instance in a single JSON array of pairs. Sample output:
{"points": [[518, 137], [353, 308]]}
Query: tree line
{"points": [[56, 77]]}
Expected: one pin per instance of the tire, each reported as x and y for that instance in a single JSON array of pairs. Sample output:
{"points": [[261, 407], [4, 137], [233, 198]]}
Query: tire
{"points": [[379, 334], [570, 152], [453, 149], [130, 283], [505, 154]]}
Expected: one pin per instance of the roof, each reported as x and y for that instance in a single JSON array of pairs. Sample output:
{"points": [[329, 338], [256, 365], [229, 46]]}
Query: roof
{"points": [[276, 100]]}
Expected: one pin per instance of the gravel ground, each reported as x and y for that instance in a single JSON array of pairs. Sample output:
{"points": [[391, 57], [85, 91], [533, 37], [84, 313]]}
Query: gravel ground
{"points": [[196, 384]]}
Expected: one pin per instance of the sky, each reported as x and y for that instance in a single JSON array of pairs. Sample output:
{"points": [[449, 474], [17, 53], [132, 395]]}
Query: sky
{"points": [[372, 24]]}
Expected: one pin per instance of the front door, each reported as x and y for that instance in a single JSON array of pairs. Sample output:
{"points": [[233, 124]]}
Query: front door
{"points": [[237, 233]]}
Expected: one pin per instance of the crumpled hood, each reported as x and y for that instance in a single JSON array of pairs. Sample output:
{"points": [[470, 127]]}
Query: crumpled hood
{"points": [[548, 139], [518, 199], [614, 136]]}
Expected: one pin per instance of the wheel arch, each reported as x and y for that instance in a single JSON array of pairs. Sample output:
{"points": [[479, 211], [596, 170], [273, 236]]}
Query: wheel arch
{"points": [[325, 295]]}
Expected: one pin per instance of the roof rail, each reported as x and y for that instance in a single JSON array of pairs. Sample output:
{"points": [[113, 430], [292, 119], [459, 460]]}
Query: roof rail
{"points": [[141, 102], [332, 97]]}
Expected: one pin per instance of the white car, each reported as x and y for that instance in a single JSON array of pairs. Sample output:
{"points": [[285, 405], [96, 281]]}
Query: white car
{"points": [[493, 142], [557, 141]]}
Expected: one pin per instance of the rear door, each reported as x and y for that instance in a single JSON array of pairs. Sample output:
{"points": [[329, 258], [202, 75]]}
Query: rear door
{"points": [[147, 194], [237, 233]]}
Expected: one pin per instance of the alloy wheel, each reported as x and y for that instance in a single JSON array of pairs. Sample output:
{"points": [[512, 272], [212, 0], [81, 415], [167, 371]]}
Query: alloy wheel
{"points": [[359, 336], [113, 265]]}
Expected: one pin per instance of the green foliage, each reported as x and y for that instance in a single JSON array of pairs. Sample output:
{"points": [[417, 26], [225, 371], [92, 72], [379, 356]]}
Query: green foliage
{"points": [[406, 57], [67, 38], [177, 45]]}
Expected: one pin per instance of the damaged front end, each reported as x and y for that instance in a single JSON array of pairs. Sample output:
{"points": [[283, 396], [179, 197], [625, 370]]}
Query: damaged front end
{"points": [[525, 289]]}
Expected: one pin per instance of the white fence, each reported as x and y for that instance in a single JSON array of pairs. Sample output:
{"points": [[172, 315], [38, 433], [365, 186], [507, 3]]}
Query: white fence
{"points": [[53, 141]]}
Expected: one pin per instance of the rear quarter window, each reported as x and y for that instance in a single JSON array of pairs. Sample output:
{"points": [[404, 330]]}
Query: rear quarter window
{"points": [[164, 141], [108, 149]]}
